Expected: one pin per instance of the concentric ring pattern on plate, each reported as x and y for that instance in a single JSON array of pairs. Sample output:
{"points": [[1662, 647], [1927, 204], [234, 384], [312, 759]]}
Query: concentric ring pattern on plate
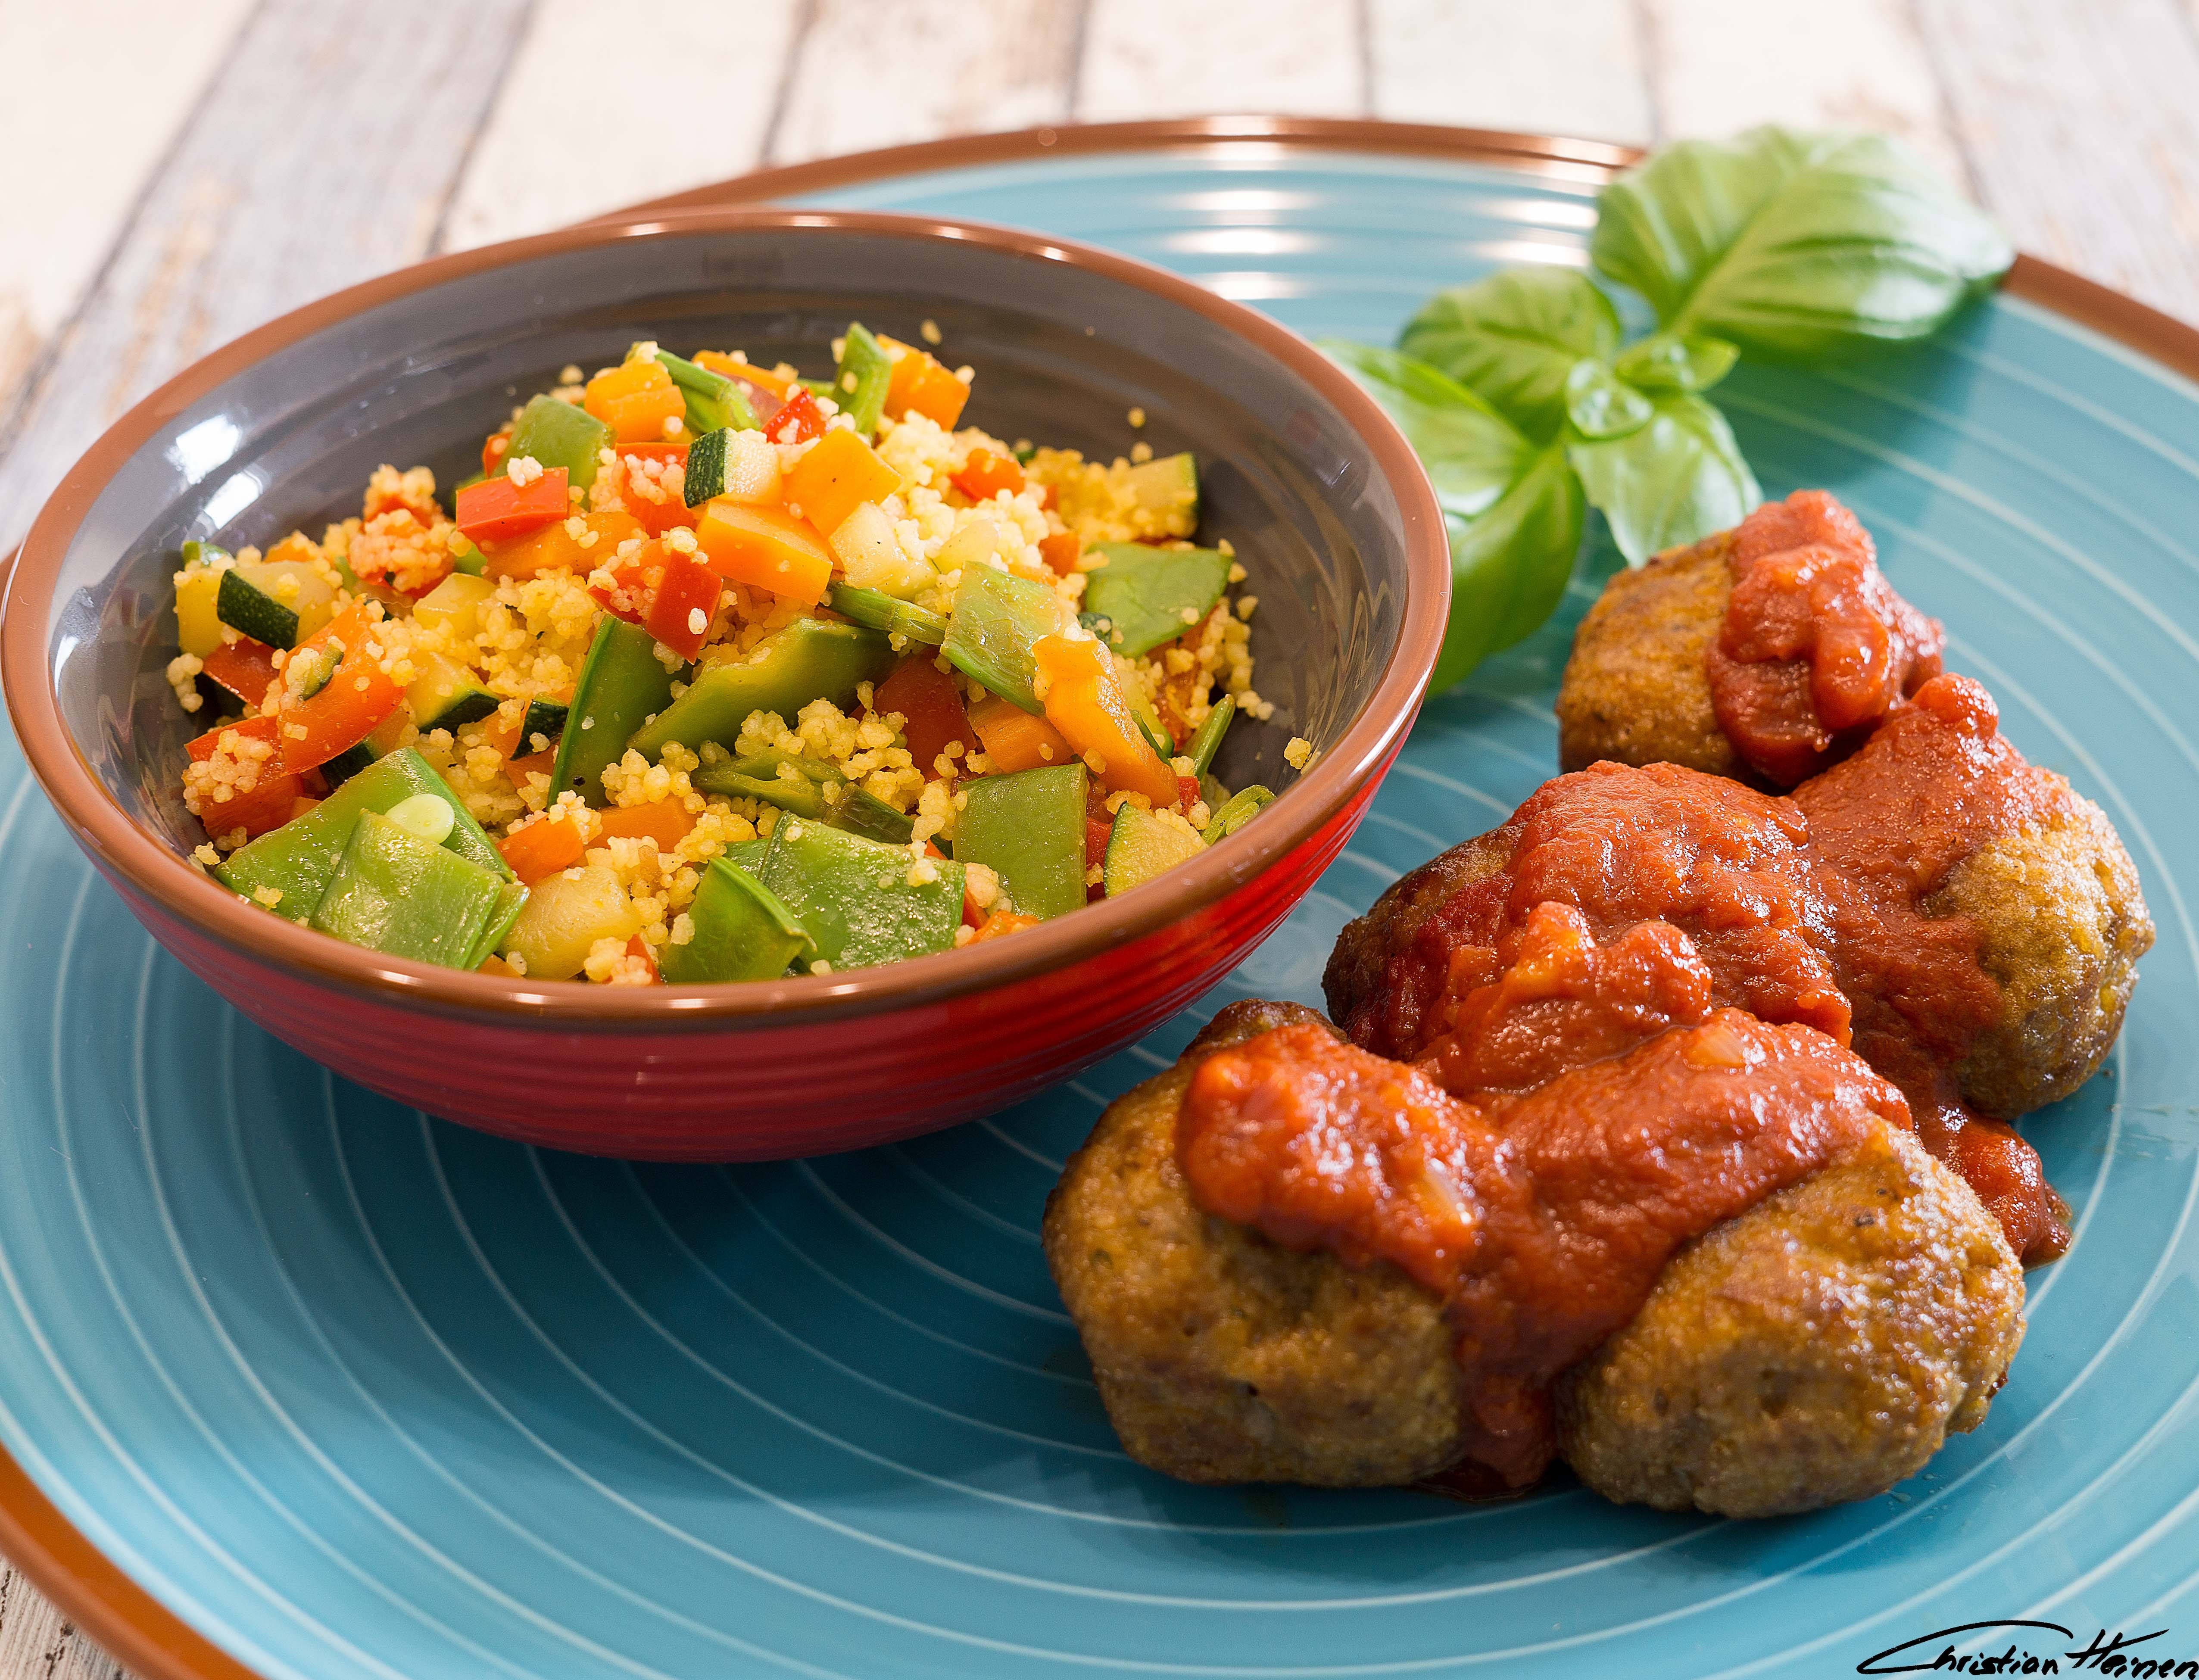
{"points": [[358, 1393]]}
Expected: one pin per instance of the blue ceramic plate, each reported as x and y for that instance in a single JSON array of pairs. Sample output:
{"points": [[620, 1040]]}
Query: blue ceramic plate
{"points": [[358, 1393]]}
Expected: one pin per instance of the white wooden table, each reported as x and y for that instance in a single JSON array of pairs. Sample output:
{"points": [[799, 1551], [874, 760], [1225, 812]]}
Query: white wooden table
{"points": [[185, 169]]}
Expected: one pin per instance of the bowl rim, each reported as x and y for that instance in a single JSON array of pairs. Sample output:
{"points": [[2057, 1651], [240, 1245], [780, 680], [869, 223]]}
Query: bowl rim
{"points": [[125, 848]]}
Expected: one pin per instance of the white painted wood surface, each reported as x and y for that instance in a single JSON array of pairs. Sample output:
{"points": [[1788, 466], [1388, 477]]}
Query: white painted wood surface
{"points": [[247, 156]]}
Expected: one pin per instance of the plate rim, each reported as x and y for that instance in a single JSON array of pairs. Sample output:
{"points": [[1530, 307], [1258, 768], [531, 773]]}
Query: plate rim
{"points": [[144, 1635]]}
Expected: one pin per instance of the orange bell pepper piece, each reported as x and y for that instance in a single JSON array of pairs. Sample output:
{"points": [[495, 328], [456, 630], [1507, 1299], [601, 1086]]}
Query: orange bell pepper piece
{"points": [[1084, 700], [635, 400], [553, 548], [718, 362], [496, 510], [665, 821], [985, 474], [540, 850], [922, 384], [1061, 551], [1001, 922], [839, 474], [1014, 739], [930, 708], [349, 705], [766, 548]]}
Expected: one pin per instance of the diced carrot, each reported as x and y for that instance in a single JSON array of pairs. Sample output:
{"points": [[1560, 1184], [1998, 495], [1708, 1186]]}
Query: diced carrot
{"points": [[923, 384], [680, 610], [539, 849], [1014, 739], [244, 668], [638, 946], [533, 764], [664, 449], [1084, 700], [985, 474], [930, 708], [798, 420], [1061, 551], [498, 966], [356, 697], [496, 510], [1001, 922], [838, 475], [248, 728], [635, 400], [553, 548], [766, 548], [666, 821]]}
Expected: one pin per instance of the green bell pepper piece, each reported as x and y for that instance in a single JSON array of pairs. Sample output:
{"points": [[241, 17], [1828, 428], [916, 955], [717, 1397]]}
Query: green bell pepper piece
{"points": [[810, 659], [558, 433], [998, 620], [1207, 741], [1028, 828], [860, 382], [714, 403], [1143, 596], [882, 611], [741, 932], [299, 859], [621, 684], [1236, 814], [394, 893], [855, 896]]}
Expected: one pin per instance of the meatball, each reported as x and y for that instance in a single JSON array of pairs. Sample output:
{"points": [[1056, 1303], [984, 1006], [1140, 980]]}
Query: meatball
{"points": [[1357, 981], [1818, 1349], [1219, 1355], [2060, 925], [1637, 689]]}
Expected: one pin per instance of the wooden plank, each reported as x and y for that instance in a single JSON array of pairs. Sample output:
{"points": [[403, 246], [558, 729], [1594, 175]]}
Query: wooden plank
{"points": [[2082, 127], [869, 74], [37, 1643], [1719, 65], [147, 59], [302, 173], [1166, 58], [1577, 69], [539, 164]]}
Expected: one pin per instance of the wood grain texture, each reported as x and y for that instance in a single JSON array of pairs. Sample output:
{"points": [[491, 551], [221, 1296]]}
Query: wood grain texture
{"points": [[243, 221], [2080, 118], [865, 74], [38, 1643], [150, 60], [1577, 69], [1168, 58], [535, 168], [1719, 66]]}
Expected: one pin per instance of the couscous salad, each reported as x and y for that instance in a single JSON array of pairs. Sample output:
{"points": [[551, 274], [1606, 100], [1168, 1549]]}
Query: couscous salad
{"points": [[714, 673]]}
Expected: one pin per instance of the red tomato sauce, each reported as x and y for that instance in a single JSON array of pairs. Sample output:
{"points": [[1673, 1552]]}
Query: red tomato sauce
{"points": [[1543, 1220], [1886, 826], [1816, 647]]}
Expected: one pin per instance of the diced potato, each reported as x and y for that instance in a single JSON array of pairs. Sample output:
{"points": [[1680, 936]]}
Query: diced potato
{"points": [[565, 915], [455, 604], [974, 545]]}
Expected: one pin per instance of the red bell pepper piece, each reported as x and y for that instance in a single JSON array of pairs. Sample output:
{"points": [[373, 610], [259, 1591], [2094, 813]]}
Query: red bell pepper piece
{"points": [[798, 419], [496, 510], [679, 611], [985, 474], [930, 708], [244, 668]]}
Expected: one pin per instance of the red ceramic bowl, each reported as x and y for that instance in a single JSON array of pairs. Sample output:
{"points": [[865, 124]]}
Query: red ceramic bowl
{"points": [[1319, 491]]}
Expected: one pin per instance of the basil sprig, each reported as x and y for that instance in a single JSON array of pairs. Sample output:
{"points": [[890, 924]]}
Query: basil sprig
{"points": [[1525, 402]]}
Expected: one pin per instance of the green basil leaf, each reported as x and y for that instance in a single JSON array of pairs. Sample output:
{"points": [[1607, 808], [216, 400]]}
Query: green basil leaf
{"points": [[1602, 404], [1669, 362], [1676, 481], [1794, 244], [1472, 453], [1514, 336], [1509, 569]]}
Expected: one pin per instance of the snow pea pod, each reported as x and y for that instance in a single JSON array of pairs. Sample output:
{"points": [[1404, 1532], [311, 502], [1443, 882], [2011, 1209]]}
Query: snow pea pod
{"points": [[741, 932], [557, 434], [1143, 596], [394, 893], [864, 903], [860, 383], [1028, 828], [1208, 740], [622, 683], [998, 621]]}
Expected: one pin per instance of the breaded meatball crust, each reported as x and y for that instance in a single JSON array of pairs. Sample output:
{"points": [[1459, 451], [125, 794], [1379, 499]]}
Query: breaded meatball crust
{"points": [[1221, 1356], [1819, 1348], [1637, 688]]}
